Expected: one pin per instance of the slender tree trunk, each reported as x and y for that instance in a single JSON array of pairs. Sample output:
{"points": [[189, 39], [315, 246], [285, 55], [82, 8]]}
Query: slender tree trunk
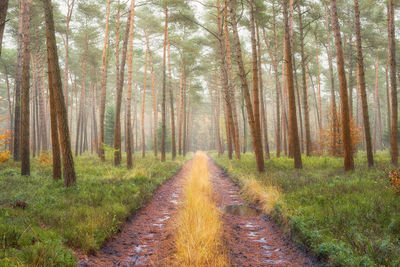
{"points": [[18, 84], [143, 104], [231, 89], [293, 132], [255, 132], [154, 91], [224, 71], [163, 120], [171, 103], [332, 80], [363, 89], [378, 113], [394, 143], [103, 84], [347, 142], [25, 89], [278, 89], [70, 8], [56, 88], [305, 89], [118, 99], [264, 122], [129, 93], [319, 86], [94, 127], [3, 15]]}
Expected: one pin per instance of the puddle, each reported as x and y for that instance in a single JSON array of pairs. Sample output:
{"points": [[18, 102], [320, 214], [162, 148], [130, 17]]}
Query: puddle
{"points": [[163, 219], [174, 202], [261, 240], [139, 248], [242, 210], [253, 234], [273, 262]]}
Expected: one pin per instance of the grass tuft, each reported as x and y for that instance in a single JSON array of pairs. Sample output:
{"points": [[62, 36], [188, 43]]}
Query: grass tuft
{"points": [[199, 238]]}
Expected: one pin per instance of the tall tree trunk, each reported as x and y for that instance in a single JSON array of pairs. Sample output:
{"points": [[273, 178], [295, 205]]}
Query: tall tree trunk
{"points": [[154, 91], [256, 99], [378, 112], [3, 15], [305, 89], [70, 8], [264, 122], [293, 132], [129, 93], [56, 87], [392, 59], [332, 80], [171, 103], [363, 89], [118, 99], [143, 104], [18, 84], [163, 120], [319, 87], [278, 89], [224, 71], [255, 134], [103, 84], [347, 142], [25, 88], [231, 88]]}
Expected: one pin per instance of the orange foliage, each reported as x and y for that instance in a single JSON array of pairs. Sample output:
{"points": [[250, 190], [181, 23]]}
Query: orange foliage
{"points": [[4, 140], [44, 157], [326, 137], [394, 178]]}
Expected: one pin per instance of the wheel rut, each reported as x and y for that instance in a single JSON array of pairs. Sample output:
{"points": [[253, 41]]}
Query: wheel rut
{"points": [[252, 240], [147, 237]]}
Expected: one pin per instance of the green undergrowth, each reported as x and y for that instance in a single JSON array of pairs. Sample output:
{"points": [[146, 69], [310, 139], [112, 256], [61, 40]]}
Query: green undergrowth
{"points": [[82, 217], [344, 219]]}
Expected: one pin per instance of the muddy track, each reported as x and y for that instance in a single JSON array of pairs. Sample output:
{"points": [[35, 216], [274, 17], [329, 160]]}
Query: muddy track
{"points": [[252, 240], [146, 239]]}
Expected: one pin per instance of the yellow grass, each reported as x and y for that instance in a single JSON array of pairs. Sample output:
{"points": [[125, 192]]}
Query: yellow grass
{"points": [[198, 241], [266, 196]]}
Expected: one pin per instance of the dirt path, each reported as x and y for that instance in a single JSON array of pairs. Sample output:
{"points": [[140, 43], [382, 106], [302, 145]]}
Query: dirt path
{"points": [[252, 240], [146, 239]]}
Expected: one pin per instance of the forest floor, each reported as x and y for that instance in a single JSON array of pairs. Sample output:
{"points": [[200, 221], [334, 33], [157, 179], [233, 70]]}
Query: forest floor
{"points": [[342, 218], [42, 222], [147, 239]]}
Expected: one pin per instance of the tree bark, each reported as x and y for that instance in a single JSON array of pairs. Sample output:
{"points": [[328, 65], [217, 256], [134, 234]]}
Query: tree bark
{"points": [[103, 84], [293, 131], [171, 103], [256, 136], [118, 99], [305, 89], [333, 98], [56, 88], [347, 142], [264, 121], [163, 120], [3, 15], [25, 89], [393, 87], [128, 136], [143, 103], [363, 89]]}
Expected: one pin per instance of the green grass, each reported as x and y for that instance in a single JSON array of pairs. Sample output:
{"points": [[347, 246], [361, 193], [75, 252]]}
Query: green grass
{"points": [[345, 219], [81, 217]]}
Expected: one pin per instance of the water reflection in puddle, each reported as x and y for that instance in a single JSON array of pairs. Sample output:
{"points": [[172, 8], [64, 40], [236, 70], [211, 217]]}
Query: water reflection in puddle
{"points": [[242, 210]]}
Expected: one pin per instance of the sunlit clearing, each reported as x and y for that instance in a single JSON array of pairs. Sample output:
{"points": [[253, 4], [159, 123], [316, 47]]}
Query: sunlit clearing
{"points": [[199, 237]]}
